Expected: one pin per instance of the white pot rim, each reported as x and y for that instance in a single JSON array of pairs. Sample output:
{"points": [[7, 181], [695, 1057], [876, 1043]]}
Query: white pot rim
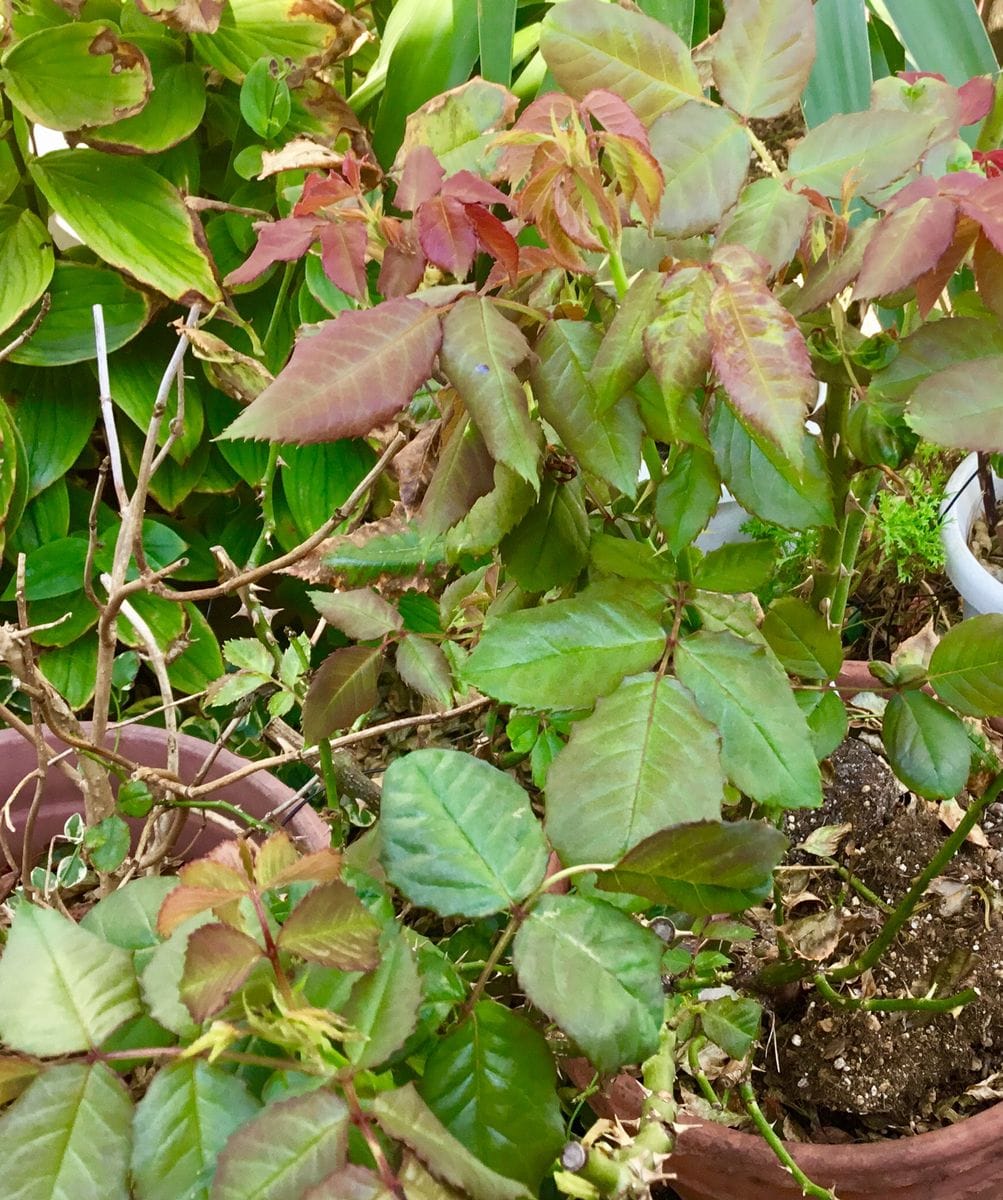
{"points": [[981, 591]]}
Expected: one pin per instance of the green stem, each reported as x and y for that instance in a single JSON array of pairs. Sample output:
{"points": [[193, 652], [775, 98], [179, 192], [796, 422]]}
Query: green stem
{"points": [[889, 931], [567, 873], [508, 933], [20, 165], [853, 529], [280, 299], [858, 885], [617, 271], [765, 157], [330, 778], [267, 508], [992, 128], [222, 806], [768, 1135], [902, 1004], [693, 1059]]}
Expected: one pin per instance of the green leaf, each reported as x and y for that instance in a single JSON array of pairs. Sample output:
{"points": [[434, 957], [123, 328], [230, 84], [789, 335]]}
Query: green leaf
{"points": [[764, 482], [13, 473], [589, 45], [841, 77], [72, 670], [961, 406], [878, 147], [763, 55], [944, 36], [265, 102], [135, 374], [569, 947], [75, 75], [608, 444], [762, 360], [343, 688], [128, 916], [25, 262], [396, 551], [492, 1083], [361, 613], [423, 666], [107, 843], [678, 346], [132, 218], [495, 30], [403, 1115], [317, 480], [769, 220], [347, 375], [182, 1123], [332, 926], [704, 868], [732, 1024], [383, 1005], [827, 720], [202, 661], [459, 836], [565, 654], [249, 653], [966, 667], [480, 351], [704, 153], [68, 1136], [927, 745], [161, 979], [64, 989], [550, 545], [643, 760], [620, 361], [288, 1147], [459, 126], [66, 334], [802, 639], [765, 746], [736, 567], [55, 423], [218, 960]]}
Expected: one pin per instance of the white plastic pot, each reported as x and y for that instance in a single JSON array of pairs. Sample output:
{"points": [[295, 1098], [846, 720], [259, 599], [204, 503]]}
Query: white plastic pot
{"points": [[725, 526], [980, 591]]}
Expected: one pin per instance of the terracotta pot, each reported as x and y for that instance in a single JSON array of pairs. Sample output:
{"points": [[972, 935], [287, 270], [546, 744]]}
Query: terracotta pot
{"points": [[257, 794]]}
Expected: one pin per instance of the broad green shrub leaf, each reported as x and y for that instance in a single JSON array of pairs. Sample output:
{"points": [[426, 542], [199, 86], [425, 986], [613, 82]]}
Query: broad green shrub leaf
{"points": [[181, 1125], [64, 988], [879, 147], [265, 102], [172, 113], [802, 639], [550, 545], [736, 567], [383, 1005], [743, 690], [827, 720], [68, 1137], [218, 960], [25, 262], [763, 55], [252, 29], [54, 415], [53, 570], [332, 926], [645, 758], [347, 375], [72, 670], [589, 45], [620, 361], [762, 360], [607, 444], [403, 1115], [764, 482], [961, 406], [46, 518], [423, 666], [460, 125], [343, 688], [459, 836], [202, 661], [13, 473], [76, 75], [703, 868], [733, 1024], [565, 654], [132, 218], [926, 744], [704, 153], [285, 1149], [492, 1083], [316, 480], [480, 350], [66, 334], [569, 947], [135, 375], [769, 220], [966, 668], [128, 916]]}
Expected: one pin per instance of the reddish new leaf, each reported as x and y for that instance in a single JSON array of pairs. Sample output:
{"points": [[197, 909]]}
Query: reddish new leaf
{"points": [[495, 239], [614, 115], [906, 245], [342, 690], [421, 179], [637, 173], [323, 866], [343, 256], [446, 235], [469, 188], [930, 286], [761, 358], [332, 926], [274, 855], [976, 99], [319, 191], [402, 269], [185, 902], [988, 264], [217, 962], [347, 376], [278, 241], [985, 205]]}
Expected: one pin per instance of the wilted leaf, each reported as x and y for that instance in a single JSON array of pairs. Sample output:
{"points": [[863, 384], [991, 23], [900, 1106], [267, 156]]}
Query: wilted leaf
{"points": [[763, 55], [825, 841], [217, 962], [186, 16], [814, 937], [457, 126], [332, 926], [347, 376]]}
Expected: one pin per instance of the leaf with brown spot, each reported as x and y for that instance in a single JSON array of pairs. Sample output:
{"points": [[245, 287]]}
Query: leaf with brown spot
{"points": [[332, 926], [218, 960], [343, 688], [186, 16], [347, 376]]}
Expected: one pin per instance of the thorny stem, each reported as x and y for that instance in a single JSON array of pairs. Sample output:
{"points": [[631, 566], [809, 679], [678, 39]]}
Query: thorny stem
{"points": [[763, 154], [853, 529], [272, 950], [693, 1060], [361, 1121], [768, 1135]]}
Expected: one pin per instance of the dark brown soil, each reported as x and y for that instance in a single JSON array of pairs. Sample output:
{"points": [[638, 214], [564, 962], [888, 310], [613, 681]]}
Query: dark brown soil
{"points": [[841, 1075]]}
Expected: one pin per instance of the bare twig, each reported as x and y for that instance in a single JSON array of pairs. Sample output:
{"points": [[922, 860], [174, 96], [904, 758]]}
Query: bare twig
{"points": [[21, 338], [108, 410]]}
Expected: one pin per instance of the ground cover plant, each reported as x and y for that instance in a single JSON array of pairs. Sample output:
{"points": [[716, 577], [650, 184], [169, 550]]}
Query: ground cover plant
{"points": [[452, 396]]}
